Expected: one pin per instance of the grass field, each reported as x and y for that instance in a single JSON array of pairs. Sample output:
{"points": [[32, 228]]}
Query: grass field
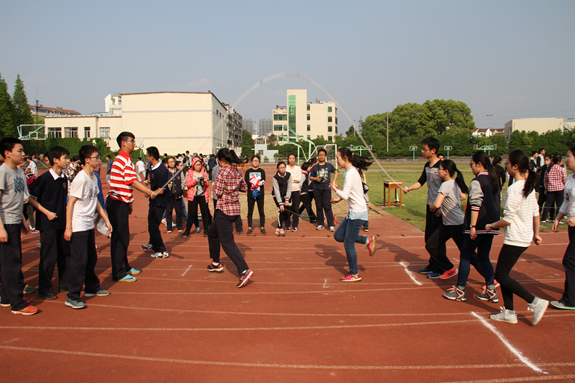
{"points": [[415, 201]]}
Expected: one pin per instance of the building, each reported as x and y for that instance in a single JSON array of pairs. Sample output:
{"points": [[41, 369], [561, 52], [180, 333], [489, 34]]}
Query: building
{"points": [[172, 121], [540, 125], [266, 126], [248, 124], [303, 118], [487, 132], [265, 154], [45, 111]]}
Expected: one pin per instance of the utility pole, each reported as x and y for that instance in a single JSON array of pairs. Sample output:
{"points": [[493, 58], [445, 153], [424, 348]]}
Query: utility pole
{"points": [[387, 131]]}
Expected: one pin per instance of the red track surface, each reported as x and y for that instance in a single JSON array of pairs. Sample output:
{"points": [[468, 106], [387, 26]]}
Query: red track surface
{"points": [[294, 322]]}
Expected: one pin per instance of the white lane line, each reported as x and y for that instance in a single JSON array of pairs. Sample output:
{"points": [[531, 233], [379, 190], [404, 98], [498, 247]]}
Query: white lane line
{"points": [[517, 353], [409, 273], [187, 270], [325, 283]]}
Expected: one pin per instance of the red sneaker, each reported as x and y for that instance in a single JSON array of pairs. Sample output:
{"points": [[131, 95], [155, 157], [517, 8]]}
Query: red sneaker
{"points": [[484, 287], [30, 310], [371, 245], [449, 273], [350, 278]]}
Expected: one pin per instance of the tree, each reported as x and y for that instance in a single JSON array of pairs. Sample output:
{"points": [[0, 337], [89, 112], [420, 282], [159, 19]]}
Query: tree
{"points": [[247, 144], [7, 128], [21, 112], [350, 132]]}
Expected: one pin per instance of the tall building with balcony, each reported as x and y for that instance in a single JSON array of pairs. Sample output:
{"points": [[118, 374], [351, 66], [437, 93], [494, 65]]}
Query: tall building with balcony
{"points": [[248, 124], [266, 126], [302, 118]]}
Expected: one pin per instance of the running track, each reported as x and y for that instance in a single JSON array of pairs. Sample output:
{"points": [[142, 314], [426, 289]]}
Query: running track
{"points": [[296, 322]]}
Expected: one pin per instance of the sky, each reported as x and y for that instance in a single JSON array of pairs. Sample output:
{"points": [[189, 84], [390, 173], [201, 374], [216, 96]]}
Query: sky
{"points": [[504, 59]]}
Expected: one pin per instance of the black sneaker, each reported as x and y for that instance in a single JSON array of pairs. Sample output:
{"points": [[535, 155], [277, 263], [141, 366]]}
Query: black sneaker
{"points": [[185, 234], [249, 232], [149, 246], [426, 270], [48, 296], [488, 295], [240, 232], [213, 268], [246, 275], [263, 231]]}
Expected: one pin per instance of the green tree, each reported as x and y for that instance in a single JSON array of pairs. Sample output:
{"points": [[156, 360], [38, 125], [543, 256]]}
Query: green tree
{"points": [[21, 112], [247, 144], [7, 128]]}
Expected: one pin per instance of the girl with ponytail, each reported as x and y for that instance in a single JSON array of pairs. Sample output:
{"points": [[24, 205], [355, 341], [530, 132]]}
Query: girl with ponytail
{"points": [[567, 301], [229, 182], [448, 202], [521, 223], [483, 206], [348, 230]]}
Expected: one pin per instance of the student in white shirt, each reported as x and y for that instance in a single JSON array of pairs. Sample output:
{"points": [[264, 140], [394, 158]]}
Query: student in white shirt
{"points": [[521, 223], [296, 184], [82, 204], [348, 230], [567, 301], [140, 170]]}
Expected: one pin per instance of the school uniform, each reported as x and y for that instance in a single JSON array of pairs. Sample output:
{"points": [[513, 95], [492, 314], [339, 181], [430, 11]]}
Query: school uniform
{"points": [[253, 178], [51, 191], [322, 192], [159, 175], [14, 192], [176, 199]]}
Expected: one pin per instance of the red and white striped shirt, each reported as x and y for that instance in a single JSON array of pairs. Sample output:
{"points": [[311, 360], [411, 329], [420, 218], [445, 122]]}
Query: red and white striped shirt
{"points": [[122, 175]]}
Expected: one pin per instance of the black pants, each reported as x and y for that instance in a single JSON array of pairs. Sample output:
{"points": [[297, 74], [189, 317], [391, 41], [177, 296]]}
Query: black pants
{"points": [[12, 283], [432, 223], [293, 219], [82, 264], [155, 214], [175, 203], [542, 198], [118, 214], [54, 250], [251, 203], [323, 204], [29, 214], [306, 205], [282, 216], [552, 199], [238, 223], [569, 265], [193, 213], [221, 233], [440, 237], [507, 259]]}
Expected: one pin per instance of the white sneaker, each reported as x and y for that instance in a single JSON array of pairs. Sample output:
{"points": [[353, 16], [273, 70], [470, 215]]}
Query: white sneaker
{"points": [[159, 254], [319, 227], [505, 315], [166, 254], [538, 307], [332, 228]]}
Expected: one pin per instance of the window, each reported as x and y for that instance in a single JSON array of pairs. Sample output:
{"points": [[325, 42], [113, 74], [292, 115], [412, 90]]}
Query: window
{"points": [[54, 132], [71, 132], [307, 106], [277, 128], [329, 128], [308, 137], [308, 128], [105, 132], [329, 118], [86, 132], [308, 118], [280, 117], [330, 138], [329, 108]]}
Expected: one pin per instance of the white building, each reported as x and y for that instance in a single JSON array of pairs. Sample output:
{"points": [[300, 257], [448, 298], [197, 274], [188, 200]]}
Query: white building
{"points": [[540, 125], [303, 118], [172, 121]]}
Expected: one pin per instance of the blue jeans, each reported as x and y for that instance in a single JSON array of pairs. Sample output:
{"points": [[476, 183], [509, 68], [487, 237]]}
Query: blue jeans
{"points": [[483, 245], [184, 213], [348, 233]]}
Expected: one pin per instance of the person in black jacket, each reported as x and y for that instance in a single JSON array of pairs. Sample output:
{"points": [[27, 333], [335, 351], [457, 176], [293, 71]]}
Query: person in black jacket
{"points": [[500, 171], [282, 195], [255, 179], [177, 190], [159, 175]]}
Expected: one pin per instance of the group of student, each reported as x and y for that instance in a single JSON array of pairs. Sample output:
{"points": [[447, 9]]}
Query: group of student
{"points": [[66, 216], [473, 230]]}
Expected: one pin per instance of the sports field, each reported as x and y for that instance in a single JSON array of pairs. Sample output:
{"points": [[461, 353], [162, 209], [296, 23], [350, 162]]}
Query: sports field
{"points": [[295, 321]]}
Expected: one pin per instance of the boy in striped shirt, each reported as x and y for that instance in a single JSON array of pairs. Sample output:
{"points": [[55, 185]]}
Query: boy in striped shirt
{"points": [[123, 181]]}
